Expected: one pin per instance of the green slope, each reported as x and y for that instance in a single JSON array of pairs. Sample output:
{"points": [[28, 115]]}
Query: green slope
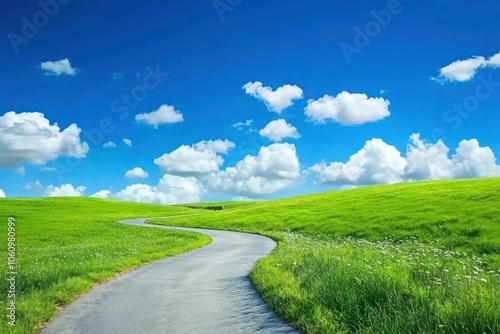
{"points": [[334, 271], [462, 214], [380, 259]]}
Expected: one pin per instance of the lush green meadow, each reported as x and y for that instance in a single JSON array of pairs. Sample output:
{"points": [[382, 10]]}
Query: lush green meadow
{"points": [[406, 258], [65, 246]]}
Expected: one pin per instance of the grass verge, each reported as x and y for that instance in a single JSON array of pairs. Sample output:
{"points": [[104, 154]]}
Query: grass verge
{"points": [[351, 285]]}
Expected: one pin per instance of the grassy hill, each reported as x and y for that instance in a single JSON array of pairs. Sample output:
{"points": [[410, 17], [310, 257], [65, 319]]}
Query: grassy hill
{"points": [[462, 214], [67, 245], [407, 258]]}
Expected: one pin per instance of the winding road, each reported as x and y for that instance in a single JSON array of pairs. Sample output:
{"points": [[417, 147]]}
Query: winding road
{"points": [[204, 291]]}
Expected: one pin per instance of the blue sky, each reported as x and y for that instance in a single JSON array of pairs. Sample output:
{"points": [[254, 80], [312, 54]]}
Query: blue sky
{"points": [[328, 95]]}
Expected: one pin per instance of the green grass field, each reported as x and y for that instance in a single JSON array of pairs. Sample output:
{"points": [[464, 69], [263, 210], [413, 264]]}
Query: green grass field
{"points": [[65, 246], [406, 258]]}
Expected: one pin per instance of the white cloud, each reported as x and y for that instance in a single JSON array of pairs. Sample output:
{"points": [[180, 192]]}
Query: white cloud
{"points": [[2, 194], [347, 109], [136, 173], [164, 115], [105, 194], [279, 129], [59, 67], [33, 186], [244, 125], [127, 142], [64, 190], [427, 161], [193, 171], [378, 162], [30, 138], [109, 144], [275, 168], [186, 160], [277, 100], [494, 61], [217, 146], [196, 160], [465, 70], [170, 190], [472, 160], [461, 70]]}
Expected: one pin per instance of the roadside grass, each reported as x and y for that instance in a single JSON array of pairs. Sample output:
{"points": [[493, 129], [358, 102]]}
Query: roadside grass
{"points": [[349, 285], [65, 246], [407, 258]]}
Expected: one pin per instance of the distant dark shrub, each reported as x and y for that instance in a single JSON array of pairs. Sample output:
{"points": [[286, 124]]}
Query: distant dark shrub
{"points": [[214, 207]]}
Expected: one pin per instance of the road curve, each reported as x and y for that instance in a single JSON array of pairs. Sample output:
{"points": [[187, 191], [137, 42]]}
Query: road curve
{"points": [[203, 291]]}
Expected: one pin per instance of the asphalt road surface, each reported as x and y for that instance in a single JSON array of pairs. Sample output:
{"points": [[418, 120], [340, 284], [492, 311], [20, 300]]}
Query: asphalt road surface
{"points": [[204, 291]]}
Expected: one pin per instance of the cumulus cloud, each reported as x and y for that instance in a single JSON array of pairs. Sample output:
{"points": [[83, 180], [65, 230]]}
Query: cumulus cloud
{"points": [[279, 129], [109, 144], [495, 60], [30, 138], [104, 194], [275, 168], [64, 190], [199, 159], [347, 109], [427, 160], [164, 115], [170, 189], [136, 173], [127, 142], [461, 70], [277, 100], [194, 171], [472, 160], [59, 67], [2, 193], [465, 70], [378, 162], [217, 146]]}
